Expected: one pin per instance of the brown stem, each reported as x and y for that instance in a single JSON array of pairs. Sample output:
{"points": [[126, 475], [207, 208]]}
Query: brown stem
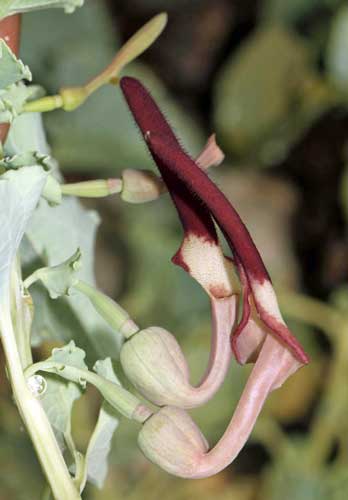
{"points": [[10, 32]]}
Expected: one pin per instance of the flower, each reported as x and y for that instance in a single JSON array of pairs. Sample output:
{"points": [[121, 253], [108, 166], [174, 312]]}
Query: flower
{"points": [[199, 203], [170, 438]]}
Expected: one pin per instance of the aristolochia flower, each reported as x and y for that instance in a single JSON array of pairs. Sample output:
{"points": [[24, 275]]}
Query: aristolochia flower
{"points": [[170, 438], [199, 201], [170, 383]]}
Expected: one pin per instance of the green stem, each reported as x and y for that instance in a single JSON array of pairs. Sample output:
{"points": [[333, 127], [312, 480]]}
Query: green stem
{"points": [[48, 103], [34, 416], [93, 189], [118, 397], [79, 459], [21, 313], [113, 313]]}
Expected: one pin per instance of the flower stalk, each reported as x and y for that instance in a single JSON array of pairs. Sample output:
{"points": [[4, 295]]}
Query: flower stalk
{"points": [[118, 397], [70, 98], [112, 312], [33, 415]]}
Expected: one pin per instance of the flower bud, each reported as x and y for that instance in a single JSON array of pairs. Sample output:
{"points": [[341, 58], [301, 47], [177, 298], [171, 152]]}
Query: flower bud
{"points": [[140, 186], [172, 440], [154, 363]]}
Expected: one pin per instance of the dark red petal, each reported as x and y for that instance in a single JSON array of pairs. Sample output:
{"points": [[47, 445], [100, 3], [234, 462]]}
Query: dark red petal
{"points": [[236, 234], [193, 214]]}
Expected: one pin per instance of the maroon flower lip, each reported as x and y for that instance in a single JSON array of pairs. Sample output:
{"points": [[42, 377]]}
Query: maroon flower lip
{"points": [[199, 201]]}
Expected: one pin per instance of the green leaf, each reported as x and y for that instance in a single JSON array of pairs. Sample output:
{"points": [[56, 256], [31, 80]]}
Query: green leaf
{"points": [[11, 69], [13, 98], [19, 141], [118, 397], [69, 355], [17, 6], [60, 278], [19, 193], [53, 237], [54, 234], [337, 50], [61, 394], [100, 442], [28, 159]]}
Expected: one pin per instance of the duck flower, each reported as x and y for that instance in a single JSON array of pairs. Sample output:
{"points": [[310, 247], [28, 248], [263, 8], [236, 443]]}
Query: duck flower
{"points": [[201, 256], [199, 203], [170, 438]]}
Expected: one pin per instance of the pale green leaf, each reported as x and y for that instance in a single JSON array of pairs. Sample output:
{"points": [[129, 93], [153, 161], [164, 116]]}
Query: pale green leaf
{"points": [[69, 355], [13, 98], [53, 237], [100, 443], [59, 279], [105, 369], [54, 234], [11, 69], [19, 193], [61, 394], [17, 6], [19, 141], [27, 159]]}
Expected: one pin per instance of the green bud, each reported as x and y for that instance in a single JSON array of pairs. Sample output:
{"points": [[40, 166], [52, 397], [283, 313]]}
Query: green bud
{"points": [[140, 186], [172, 440], [153, 361]]}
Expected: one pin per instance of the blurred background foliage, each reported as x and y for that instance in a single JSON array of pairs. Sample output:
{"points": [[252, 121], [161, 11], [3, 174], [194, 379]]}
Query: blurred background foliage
{"points": [[270, 77]]}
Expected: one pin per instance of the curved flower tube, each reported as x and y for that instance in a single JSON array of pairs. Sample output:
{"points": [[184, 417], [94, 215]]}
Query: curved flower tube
{"points": [[169, 383], [172, 440], [201, 256], [198, 200], [152, 359]]}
